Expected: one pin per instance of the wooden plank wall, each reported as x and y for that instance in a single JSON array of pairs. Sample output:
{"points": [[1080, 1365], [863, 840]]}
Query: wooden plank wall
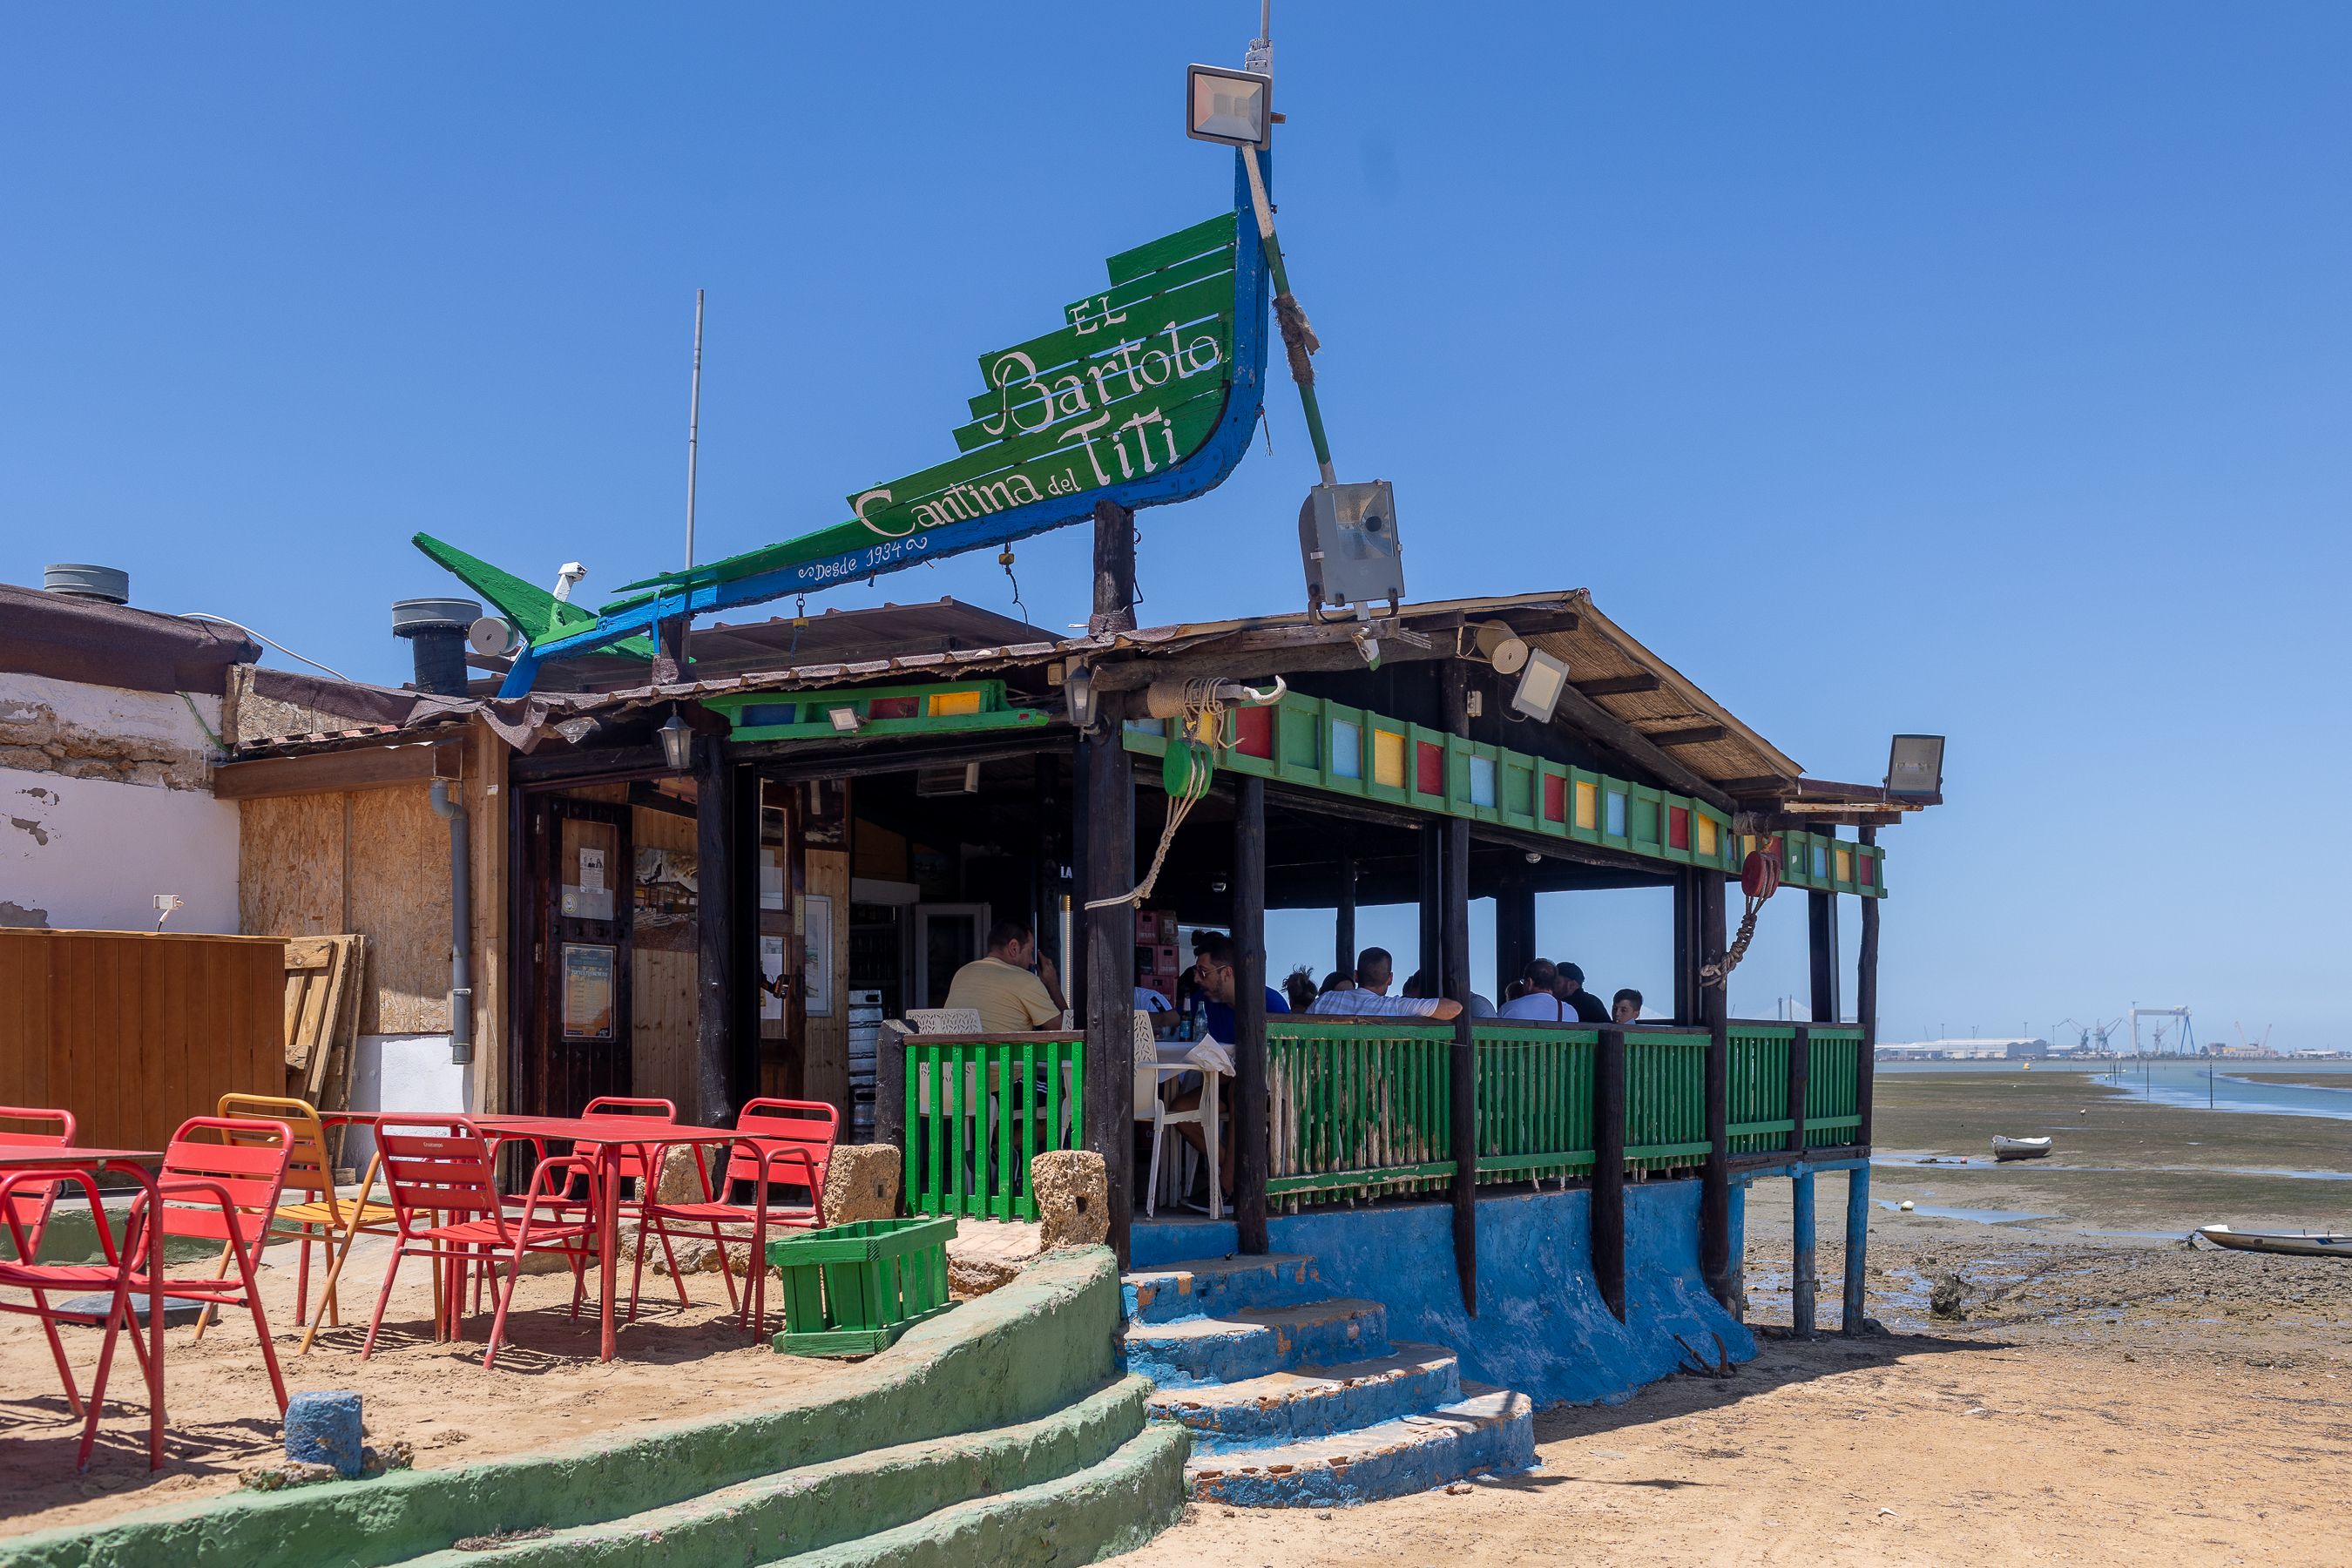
{"points": [[662, 972], [135, 1032], [825, 1041]]}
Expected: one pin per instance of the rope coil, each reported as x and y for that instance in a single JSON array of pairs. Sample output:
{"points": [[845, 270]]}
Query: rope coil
{"points": [[1201, 713]]}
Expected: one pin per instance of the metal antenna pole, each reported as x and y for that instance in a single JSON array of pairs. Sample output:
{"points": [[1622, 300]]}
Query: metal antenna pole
{"points": [[693, 427]]}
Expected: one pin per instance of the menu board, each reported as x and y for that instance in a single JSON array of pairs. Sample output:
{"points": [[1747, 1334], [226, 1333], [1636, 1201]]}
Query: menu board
{"points": [[588, 990]]}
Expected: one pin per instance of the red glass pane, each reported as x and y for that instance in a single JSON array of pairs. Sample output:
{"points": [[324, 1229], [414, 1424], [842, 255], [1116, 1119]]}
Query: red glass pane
{"points": [[895, 708], [1429, 768], [1254, 732], [1554, 798], [1677, 828]]}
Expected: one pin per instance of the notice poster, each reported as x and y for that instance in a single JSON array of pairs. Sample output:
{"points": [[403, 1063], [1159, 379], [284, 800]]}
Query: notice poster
{"points": [[588, 990], [816, 967], [771, 977]]}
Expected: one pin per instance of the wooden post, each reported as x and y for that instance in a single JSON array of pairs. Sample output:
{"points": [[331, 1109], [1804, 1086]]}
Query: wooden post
{"points": [[1802, 1273], [1249, 1122], [1801, 1069], [1114, 574], [890, 1088], [1822, 933], [1343, 944], [669, 651], [1687, 944], [1455, 960], [1106, 827], [716, 1025], [1515, 934], [1857, 1188], [1606, 1214], [1715, 1260]]}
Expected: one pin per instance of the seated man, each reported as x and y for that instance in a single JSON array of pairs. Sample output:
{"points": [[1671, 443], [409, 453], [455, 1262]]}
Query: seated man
{"points": [[1375, 972], [1538, 1002], [1212, 959], [1570, 990], [1001, 987]]}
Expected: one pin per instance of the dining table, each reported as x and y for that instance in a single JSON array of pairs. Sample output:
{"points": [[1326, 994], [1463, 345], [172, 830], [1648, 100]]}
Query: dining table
{"points": [[611, 1135], [139, 1166]]}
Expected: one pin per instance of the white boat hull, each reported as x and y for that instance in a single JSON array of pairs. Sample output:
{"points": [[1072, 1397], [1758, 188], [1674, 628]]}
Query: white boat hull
{"points": [[2299, 1244], [2020, 1148]]}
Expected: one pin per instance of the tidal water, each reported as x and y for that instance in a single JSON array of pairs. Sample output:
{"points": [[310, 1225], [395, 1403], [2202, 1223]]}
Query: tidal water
{"points": [[2189, 1082]]}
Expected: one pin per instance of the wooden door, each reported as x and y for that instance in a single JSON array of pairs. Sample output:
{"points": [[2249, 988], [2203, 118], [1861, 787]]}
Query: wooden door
{"points": [[582, 870]]}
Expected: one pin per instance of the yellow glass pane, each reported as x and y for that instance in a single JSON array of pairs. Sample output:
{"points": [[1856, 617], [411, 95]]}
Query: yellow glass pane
{"points": [[1588, 804], [1388, 759], [1706, 839], [1845, 865], [950, 702]]}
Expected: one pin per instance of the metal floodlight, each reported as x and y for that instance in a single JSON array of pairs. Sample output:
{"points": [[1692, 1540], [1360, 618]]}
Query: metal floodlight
{"points": [[1235, 108], [677, 744], [845, 719], [1915, 765], [1541, 685]]}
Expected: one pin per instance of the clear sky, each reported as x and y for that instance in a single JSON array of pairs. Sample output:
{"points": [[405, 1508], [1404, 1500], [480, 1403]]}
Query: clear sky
{"points": [[1976, 368]]}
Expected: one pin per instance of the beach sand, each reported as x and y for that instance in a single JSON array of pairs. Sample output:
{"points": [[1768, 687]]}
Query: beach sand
{"points": [[2107, 1396]]}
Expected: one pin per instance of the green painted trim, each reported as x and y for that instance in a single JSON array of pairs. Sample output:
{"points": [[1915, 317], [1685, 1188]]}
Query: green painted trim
{"points": [[1325, 1181], [996, 711]]}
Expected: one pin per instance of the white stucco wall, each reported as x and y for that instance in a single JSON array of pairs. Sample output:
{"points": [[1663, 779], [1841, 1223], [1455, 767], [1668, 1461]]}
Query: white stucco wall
{"points": [[404, 1072], [104, 803]]}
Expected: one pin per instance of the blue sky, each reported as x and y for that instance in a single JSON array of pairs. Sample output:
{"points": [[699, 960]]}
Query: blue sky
{"points": [[1980, 368]]}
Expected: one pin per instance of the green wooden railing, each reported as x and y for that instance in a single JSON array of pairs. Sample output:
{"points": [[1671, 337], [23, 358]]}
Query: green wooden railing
{"points": [[979, 1110], [1834, 1087], [1759, 1086], [1665, 1098], [1534, 1100], [1359, 1107]]}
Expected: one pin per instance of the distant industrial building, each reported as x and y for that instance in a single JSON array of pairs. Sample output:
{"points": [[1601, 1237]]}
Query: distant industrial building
{"points": [[1982, 1051]]}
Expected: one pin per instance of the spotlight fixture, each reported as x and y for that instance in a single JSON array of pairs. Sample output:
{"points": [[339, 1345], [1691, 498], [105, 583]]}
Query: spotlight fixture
{"points": [[1915, 765], [1541, 686], [1236, 107], [845, 719]]}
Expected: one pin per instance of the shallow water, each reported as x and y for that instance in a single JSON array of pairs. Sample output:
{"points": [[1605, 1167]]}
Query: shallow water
{"points": [[1982, 1217], [2191, 1082]]}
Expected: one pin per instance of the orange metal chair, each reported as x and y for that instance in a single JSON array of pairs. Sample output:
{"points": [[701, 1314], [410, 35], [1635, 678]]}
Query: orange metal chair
{"points": [[26, 1212], [442, 1165], [781, 1142], [317, 1216]]}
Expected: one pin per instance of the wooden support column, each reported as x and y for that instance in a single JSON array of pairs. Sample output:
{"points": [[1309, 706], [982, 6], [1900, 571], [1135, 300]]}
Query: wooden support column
{"points": [[1249, 1124], [1606, 1213], [1803, 1274], [1687, 944], [1857, 1189], [1114, 569], [1343, 944], [717, 968], [669, 651], [1454, 970], [1822, 943], [1515, 935], [1107, 827], [1714, 1261]]}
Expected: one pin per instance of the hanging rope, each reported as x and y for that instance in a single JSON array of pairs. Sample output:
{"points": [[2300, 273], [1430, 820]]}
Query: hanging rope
{"points": [[1717, 972], [1203, 713], [1759, 878], [1005, 559]]}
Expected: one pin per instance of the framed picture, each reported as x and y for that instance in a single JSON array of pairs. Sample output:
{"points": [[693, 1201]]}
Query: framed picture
{"points": [[816, 962], [588, 975]]}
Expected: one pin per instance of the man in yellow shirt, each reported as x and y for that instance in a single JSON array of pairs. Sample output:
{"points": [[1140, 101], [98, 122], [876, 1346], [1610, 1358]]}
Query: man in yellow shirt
{"points": [[1009, 997]]}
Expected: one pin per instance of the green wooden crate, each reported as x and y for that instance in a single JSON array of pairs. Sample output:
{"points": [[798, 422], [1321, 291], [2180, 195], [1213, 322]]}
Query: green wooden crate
{"points": [[852, 1289]]}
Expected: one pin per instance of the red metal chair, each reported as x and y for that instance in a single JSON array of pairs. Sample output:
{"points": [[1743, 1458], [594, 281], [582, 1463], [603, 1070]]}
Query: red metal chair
{"points": [[441, 1165], [30, 1200], [24, 1193], [781, 1142]]}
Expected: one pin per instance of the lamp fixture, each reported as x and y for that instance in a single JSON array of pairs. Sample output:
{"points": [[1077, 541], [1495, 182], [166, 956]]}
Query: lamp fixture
{"points": [[845, 719], [676, 742], [1235, 108], [1541, 682], [1078, 694], [1915, 765]]}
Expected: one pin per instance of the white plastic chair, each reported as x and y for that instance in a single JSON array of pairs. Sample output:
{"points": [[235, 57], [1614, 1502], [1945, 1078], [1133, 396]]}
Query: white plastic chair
{"points": [[1149, 1107]]}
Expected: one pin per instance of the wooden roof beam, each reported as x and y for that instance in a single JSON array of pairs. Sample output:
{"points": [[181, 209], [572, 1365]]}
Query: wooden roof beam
{"points": [[1696, 735], [1584, 714], [1617, 684]]}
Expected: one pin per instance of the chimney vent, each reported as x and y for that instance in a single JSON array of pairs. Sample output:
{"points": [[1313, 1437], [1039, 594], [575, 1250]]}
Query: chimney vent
{"points": [[78, 580], [436, 630]]}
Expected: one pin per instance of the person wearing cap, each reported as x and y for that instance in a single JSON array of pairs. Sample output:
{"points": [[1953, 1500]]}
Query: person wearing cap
{"points": [[1569, 987]]}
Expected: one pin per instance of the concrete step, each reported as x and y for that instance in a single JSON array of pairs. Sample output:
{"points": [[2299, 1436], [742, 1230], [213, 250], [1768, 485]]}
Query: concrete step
{"points": [[1210, 1287], [1257, 1341], [815, 1507], [1492, 1429], [1313, 1401], [1107, 1509]]}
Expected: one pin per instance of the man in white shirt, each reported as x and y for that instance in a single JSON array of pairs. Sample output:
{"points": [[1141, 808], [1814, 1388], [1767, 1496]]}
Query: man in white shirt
{"points": [[1539, 1002], [1375, 972]]}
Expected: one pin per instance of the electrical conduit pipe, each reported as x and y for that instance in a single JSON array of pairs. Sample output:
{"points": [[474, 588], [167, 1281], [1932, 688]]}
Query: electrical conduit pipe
{"points": [[461, 924]]}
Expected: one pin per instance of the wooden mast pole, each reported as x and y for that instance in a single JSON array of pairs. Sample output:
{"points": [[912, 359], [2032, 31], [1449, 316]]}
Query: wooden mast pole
{"points": [[1250, 1105], [1857, 1189], [1106, 837], [1454, 962]]}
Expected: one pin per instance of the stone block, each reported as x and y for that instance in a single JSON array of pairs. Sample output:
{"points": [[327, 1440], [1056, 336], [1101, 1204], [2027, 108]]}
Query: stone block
{"points": [[861, 1181], [324, 1428], [1072, 1198]]}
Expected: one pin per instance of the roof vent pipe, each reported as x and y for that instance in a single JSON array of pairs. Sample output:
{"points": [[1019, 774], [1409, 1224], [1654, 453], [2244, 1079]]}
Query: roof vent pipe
{"points": [[108, 585], [436, 630]]}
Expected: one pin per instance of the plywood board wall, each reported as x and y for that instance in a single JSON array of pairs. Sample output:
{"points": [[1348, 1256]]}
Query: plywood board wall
{"points": [[825, 1044]]}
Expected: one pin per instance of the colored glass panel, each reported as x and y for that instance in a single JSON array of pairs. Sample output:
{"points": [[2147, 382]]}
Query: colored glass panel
{"points": [[895, 707], [1588, 804], [1862, 872], [1347, 750], [1613, 824], [1845, 865], [1709, 841], [1556, 798], [946, 703], [766, 713], [1388, 759], [1482, 781], [1254, 732], [1677, 828], [1820, 861], [1428, 768]]}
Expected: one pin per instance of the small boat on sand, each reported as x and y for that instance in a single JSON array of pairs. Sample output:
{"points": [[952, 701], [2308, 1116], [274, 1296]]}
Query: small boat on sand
{"points": [[2020, 1148], [2301, 1243]]}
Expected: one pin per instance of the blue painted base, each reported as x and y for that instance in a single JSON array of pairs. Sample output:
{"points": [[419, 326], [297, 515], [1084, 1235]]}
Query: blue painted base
{"points": [[324, 1428], [1541, 1328]]}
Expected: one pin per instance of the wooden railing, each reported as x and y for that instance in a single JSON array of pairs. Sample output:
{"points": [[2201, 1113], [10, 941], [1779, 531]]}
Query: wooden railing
{"points": [[1357, 1107], [976, 1110], [1665, 1098], [1759, 1086], [1833, 1086], [1534, 1100]]}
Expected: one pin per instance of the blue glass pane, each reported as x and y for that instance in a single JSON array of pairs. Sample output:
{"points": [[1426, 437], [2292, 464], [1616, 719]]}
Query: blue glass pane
{"points": [[1148, 726], [767, 713], [1614, 819], [1347, 750], [1820, 861], [1481, 781]]}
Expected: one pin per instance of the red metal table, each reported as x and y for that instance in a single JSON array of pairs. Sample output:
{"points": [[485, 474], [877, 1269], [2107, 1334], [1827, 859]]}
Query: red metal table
{"points": [[611, 1135], [134, 1163]]}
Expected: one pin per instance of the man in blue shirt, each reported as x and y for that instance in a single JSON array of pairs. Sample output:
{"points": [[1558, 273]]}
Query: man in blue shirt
{"points": [[1213, 969]]}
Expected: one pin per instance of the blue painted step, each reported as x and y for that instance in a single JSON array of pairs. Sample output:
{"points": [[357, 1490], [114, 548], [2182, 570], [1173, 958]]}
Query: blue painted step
{"points": [[1214, 1287], [1256, 1341], [1313, 1401], [1492, 1429]]}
